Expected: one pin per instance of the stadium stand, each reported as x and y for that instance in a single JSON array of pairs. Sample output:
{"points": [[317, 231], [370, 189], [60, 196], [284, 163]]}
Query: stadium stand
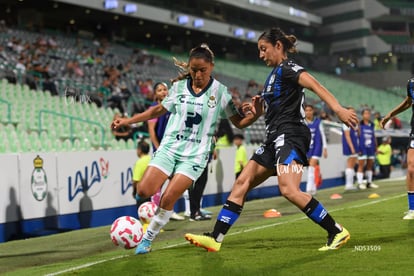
{"points": [[33, 126]]}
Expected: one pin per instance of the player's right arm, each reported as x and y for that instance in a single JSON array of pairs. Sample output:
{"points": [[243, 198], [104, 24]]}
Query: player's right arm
{"points": [[405, 104], [150, 113]]}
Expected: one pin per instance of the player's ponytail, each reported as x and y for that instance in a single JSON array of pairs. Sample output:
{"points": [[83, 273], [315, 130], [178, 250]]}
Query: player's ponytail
{"points": [[201, 51], [274, 35]]}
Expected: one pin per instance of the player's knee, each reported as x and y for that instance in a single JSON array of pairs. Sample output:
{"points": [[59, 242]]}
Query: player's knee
{"points": [[144, 192], [410, 169], [287, 192]]}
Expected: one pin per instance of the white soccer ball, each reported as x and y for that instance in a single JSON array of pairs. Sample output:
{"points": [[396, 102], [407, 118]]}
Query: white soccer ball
{"points": [[126, 232], [146, 211]]}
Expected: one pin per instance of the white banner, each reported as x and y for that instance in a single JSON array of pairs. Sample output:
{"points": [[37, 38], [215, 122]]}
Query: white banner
{"points": [[10, 195], [38, 185], [95, 180]]}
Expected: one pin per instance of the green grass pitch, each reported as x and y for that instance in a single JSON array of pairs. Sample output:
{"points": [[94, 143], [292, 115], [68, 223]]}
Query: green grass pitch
{"points": [[381, 243]]}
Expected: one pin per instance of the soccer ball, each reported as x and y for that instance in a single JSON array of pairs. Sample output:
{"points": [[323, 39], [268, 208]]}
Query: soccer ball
{"points": [[146, 211], [126, 232]]}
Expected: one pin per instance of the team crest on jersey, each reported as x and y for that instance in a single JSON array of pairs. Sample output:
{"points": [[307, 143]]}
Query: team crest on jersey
{"points": [[260, 150], [212, 102]]}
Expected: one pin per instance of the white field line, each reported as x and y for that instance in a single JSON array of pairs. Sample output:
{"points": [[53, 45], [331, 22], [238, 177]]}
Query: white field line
{"points": [[231, 234]]}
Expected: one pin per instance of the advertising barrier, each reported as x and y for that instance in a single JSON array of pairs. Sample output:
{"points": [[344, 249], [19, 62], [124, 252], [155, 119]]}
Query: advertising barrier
{"points": [[46, 193]]}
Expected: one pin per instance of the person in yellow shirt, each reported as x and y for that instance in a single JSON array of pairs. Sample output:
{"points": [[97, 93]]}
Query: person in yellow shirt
{"points": [[384, 154], [241, 154], [141, 165]]}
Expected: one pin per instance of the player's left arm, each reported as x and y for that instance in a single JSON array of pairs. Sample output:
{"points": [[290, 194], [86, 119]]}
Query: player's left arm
{"points": [[347, 116]]}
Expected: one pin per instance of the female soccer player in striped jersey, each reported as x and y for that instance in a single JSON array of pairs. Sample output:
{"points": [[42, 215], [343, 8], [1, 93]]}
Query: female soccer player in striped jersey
{"points": [[405, 104], [286, 144], [196, 102]]}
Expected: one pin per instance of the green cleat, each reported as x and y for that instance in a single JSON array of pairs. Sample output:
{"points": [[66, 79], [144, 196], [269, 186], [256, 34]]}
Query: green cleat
{"points": [[205, 241], [334, 242]]}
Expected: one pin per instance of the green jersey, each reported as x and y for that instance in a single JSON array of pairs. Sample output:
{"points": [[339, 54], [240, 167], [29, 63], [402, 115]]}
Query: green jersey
{"points": [[193, 118]]}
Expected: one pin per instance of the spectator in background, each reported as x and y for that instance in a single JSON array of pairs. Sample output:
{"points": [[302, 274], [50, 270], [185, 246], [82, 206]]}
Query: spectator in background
{"points": [[21, 65], [350, 149], [377, 120], [252, 88], [240, 160], [224, 134], [396, 123], [140, 166], [317, 147], [325, 116], [367, 150], [384, 154], [124, 132]]}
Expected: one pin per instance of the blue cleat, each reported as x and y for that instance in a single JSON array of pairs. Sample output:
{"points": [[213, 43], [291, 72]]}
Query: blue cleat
{"points": [[143, 247]]}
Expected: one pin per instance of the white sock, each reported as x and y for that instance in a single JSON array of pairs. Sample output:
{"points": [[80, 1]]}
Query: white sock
{"points": [[158, 221], [187, 201], [369, 176], [360, 177], [349, 177], [310, 184]]}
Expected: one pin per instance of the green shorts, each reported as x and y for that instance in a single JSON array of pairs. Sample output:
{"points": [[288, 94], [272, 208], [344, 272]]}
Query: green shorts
{"points": [[170, 164]]}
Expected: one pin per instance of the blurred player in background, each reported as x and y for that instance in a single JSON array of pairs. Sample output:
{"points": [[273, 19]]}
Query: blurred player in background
{"points": [[384, 156], [367, 149], [350, 149], [286, 145], [404, 105], [317, 146], [196, 102], [240, 160], [140, 166]]}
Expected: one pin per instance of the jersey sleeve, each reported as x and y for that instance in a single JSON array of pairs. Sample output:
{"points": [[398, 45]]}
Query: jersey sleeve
{"points": [[292, 71], [228, 109], [169, 101]]}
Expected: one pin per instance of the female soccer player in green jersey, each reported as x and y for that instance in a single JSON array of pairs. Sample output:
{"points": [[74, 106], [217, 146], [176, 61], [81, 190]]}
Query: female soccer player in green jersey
{"points": [[196, 102], [286, 144]]}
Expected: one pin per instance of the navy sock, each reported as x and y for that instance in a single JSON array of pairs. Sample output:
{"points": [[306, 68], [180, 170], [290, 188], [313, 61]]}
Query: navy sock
{"points": [[316, 212], [410, 200], [225, 219]]}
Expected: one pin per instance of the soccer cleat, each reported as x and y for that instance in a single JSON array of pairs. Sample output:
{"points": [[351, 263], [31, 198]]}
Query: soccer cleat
{"points": [[372, 185], [176, 216], [205, 241], [206, 212], [362, 186], [143, 247], [199, 216], [351, 189], [336, 241], [409, 215]]}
